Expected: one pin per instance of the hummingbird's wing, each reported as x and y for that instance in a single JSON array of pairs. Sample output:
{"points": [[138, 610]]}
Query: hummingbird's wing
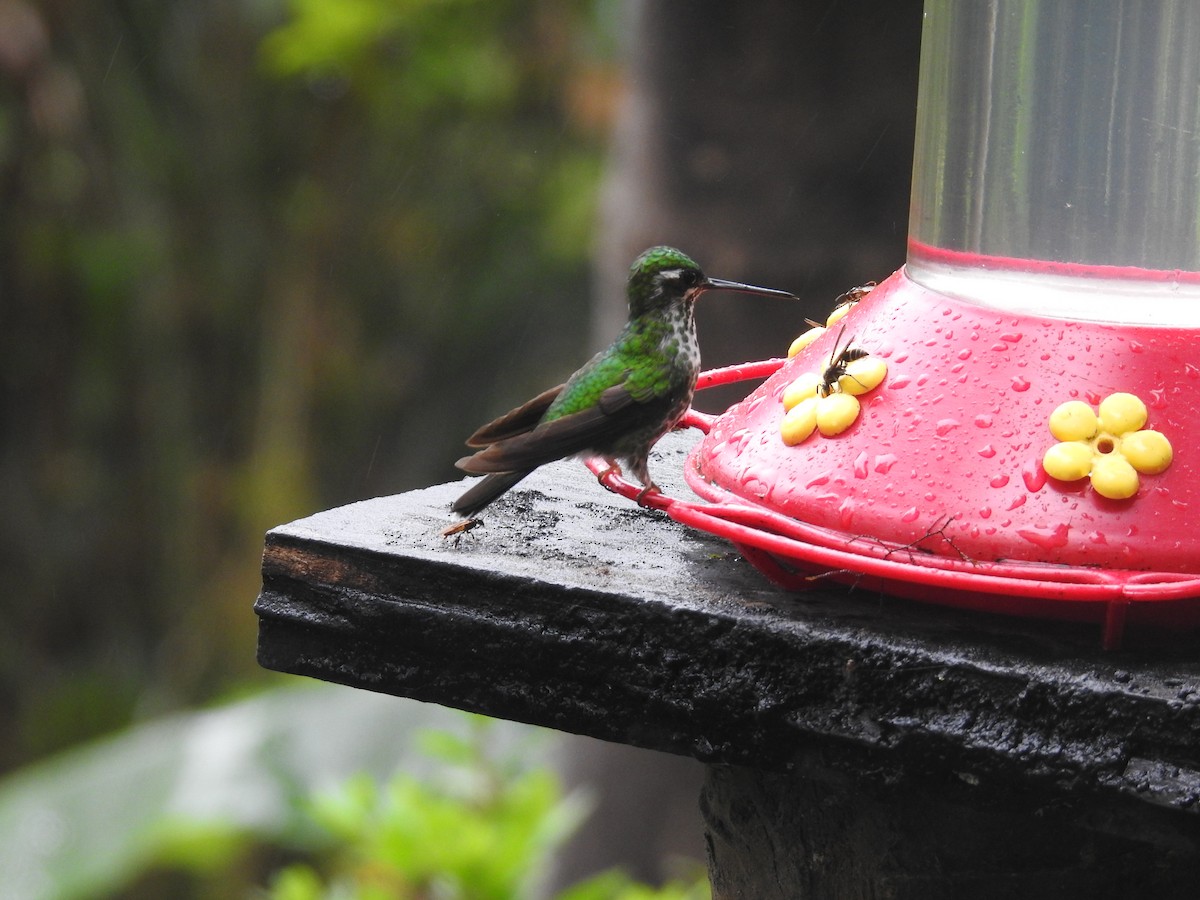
{"points": [[520, 420], [618, 412]]}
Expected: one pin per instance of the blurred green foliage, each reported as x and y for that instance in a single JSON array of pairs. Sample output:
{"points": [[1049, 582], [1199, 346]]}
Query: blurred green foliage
{"points": [[399, 800], [258, 258], [481, 834], [198, 791], [484, 835]]}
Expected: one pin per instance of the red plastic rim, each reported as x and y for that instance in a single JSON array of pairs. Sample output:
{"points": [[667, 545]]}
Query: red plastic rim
{"points": [[798, 555]]}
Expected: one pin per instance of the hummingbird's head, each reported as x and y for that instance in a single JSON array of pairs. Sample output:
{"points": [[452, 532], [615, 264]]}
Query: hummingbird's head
{"points": [[663, 277]]}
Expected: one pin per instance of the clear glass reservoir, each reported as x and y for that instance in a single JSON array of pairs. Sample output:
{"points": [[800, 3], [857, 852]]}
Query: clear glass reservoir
{"points": [[1057, 166]]}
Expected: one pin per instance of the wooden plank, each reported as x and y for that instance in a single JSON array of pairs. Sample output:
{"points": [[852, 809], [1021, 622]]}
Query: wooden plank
{"points": [[575, 610]]}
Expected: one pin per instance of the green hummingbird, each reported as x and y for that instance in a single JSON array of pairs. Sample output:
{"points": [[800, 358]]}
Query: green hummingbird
{"points": [[621, 401]]}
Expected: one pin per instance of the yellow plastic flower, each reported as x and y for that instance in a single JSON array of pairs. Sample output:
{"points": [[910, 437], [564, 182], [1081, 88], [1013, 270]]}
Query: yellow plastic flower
{"points": [[799, 421], [805, 339], [813, 403], [1107, 445]]}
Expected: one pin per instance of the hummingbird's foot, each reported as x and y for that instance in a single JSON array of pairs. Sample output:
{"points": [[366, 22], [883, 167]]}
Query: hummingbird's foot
{"points": [[613, 471], [645, 492]]}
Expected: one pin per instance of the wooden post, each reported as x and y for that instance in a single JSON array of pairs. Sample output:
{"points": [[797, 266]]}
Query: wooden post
{"points": [[857, 745]]}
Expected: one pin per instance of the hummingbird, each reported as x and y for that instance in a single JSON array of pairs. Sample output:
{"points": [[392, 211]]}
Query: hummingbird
{"points": [[621, 401]]}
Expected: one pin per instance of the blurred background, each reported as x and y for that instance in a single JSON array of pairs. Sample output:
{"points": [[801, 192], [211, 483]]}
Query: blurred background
{"points": [[264, 257]]}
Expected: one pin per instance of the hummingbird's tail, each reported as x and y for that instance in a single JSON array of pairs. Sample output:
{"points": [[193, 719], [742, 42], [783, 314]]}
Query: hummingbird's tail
{"points": [[484, 491]]}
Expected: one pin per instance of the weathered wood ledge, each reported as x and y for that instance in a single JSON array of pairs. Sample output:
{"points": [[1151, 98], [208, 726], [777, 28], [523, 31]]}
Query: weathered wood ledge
{"points": [[575, 610]]}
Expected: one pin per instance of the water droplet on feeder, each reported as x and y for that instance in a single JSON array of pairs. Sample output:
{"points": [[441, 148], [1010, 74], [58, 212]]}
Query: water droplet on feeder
{"points": [[846, 513], [861, 463], [884, 462], [1047, 538], [1034, 476]]}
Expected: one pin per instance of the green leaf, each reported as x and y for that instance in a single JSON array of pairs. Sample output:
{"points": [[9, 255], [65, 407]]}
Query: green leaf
{"points": [[326, 34], [447, 747], [616, 885], [297, 882]]}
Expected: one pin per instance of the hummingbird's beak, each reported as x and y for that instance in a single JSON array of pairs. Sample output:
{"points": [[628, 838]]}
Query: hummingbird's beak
{"points": [[720, 284]]}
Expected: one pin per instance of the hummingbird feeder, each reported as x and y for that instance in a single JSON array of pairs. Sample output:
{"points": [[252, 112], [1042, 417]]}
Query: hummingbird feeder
{"points": [[1010, 422]]}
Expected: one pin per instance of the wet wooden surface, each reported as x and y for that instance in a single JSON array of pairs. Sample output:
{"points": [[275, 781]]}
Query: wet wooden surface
{"points": [[573, 609]]}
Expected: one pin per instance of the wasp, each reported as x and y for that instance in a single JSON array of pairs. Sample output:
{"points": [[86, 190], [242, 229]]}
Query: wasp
{"points": [[845, 302], [855, 294], [838, 361], [460, 528]]}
